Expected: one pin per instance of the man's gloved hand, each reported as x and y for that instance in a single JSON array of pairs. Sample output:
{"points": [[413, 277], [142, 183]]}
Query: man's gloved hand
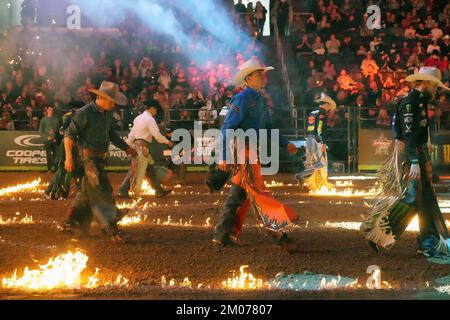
{"points": [[414, 171], [132, 152]]}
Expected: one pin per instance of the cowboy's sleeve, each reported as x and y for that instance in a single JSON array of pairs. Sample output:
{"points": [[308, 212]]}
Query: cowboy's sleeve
{"points": [[153, 126], [117, 140], [233, 119], [76, 126], [283, 141], [410, 127]]}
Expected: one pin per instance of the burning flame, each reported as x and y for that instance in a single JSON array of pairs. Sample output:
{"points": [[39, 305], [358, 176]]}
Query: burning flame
{"points": [[243, 281], [207, 224], [335, 283], [186, 283], [131, 220], [63, 272], [25, 220], [273, 184], [146, 189], [324, 191], [170, 222], [353, 178], [32, 186]]}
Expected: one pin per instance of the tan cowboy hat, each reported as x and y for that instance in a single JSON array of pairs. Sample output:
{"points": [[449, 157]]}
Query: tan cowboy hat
{"points": [[110, 90], [247, 68], [326, 99], [431, 74]]}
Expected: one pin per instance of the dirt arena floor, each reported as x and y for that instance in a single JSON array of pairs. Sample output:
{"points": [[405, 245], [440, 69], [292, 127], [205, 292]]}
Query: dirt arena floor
{"points": [[176, 252]]}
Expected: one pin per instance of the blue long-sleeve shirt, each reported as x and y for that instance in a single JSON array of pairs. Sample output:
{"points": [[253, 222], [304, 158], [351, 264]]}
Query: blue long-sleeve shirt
{"points": [[247, 110]]}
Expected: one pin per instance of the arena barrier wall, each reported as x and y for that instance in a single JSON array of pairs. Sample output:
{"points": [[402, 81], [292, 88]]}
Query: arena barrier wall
{"points": [[376, 144]]}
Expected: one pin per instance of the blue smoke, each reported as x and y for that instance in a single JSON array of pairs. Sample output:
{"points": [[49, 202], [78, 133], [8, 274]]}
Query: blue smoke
{"points": [[211, 16]]}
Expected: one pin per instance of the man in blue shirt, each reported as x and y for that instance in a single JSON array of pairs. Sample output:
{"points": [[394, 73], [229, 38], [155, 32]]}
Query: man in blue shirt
{"points": [[247, 110]]}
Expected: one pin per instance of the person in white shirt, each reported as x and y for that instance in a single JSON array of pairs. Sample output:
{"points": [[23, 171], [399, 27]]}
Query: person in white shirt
{"points": [[145, 128]]}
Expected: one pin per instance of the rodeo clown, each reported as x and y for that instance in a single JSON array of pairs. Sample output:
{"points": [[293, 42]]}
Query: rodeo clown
{"points": [[406, 177], [315, 175], [248, 110], [92, 128]]}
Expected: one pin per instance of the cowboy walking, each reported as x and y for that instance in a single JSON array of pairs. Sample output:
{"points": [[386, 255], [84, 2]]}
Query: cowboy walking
{"points": [[247, 111], [315, 173], [92, 128], [406, 178], [145, 128]]}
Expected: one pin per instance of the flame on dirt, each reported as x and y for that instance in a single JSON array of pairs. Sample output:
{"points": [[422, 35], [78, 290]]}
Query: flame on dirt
{"points": [[34, 186], [273, 184], [186, 283], [335, 283], [243, 281], [170, 222], [207, 223], [146, 189], [132, 220], [352, 178], [62, 272], [348, 192], [28, 219]]}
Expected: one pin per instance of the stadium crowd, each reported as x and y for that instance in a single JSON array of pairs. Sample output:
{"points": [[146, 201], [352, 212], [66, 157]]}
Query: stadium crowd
{"points": [[56, 69], [360, 66]]}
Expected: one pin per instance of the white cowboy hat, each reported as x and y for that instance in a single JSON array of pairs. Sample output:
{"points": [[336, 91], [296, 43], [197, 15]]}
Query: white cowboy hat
{"points": [[247, 68], [326, 99], [431, 74], [111, 91]]}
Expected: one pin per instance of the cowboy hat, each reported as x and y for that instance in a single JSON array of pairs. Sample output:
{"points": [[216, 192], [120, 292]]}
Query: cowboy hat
{"points": [[431, 74], [247, 68], [326, 99], [110, 90]]}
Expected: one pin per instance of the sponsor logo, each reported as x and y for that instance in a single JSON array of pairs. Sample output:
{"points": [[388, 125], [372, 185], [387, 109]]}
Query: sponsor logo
{"points": [[381, 145], [28, 141]]}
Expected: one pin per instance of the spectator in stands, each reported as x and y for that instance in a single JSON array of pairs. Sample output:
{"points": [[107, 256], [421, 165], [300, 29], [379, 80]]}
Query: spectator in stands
{"points": [[419, 49], [208, 115], [311, 24], [436, 32], [260, 17], [383, 119], [445, 45], [303, 47], [422, 32], [369, 65], [282, 13], [194, 103], [410, 33], [405, 50], [48, 129], [328, 70], [333, 45], [345, 81], [361, 51], [348, 48], [318, 46]]}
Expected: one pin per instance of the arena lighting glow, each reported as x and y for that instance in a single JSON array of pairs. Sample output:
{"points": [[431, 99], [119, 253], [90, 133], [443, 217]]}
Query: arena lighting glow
{"points": [[62, 272], [163, 20]]}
